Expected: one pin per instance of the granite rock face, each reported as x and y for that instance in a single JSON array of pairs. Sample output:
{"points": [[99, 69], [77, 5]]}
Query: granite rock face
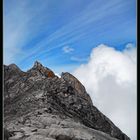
{"points": [[38, 105]]}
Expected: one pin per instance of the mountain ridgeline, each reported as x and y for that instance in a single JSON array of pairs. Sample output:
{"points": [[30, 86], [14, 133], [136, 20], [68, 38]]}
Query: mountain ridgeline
{"points": [[38, 105]]}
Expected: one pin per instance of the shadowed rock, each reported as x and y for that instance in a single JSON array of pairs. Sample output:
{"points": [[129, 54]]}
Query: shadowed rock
{"points": [[63, 137], [6, 134]]}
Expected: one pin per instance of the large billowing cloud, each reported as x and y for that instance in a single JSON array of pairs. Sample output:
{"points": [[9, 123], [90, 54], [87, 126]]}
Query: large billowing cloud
{"points": [[110, 79]]}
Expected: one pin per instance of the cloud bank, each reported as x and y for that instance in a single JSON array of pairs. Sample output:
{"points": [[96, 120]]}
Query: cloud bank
{"points": [[110, 79]]}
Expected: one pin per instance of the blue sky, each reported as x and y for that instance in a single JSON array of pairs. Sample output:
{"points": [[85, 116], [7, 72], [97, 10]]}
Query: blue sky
{"points": [[61, 34]]}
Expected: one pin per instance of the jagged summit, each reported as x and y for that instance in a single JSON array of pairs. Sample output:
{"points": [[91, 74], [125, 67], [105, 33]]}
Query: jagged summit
{"points": [[39, 70], [12, 67], [40, 105], [37, 65]]}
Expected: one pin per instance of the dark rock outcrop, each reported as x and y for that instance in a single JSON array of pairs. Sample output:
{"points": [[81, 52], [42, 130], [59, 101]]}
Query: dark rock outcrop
{"points": [[6, 134], [32, 94]]}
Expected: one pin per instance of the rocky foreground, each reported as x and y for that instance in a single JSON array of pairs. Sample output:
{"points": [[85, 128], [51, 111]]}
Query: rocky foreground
{"points": [[38, 105]]}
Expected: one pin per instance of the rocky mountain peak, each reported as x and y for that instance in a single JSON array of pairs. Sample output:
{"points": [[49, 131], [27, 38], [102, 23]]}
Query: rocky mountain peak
{"points": [[37, 64], [12, 71], [12, 67], [39, 70], [40, 105], [74, 82]]}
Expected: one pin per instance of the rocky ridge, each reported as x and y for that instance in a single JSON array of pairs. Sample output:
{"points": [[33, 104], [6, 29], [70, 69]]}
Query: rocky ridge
{"points": [[38, 105]]}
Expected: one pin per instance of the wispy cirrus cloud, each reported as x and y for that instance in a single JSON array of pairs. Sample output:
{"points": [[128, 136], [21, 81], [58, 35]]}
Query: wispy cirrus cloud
{"points": [[18, 29], [34, 28]]}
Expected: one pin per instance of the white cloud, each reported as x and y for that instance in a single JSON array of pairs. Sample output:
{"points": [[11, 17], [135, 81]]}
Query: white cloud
{"points": [[110, 79], [67, 49]]}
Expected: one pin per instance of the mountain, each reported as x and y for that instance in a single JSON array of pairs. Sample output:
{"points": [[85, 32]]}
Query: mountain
{"points": [[38, 105]]}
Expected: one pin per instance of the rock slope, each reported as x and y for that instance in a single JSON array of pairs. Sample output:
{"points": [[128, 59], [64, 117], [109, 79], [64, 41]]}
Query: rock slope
{"points": [[38, 105]]}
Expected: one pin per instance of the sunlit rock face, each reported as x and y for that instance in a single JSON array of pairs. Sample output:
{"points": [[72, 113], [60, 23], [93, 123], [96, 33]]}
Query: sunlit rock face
{"points": [[40, 105]]}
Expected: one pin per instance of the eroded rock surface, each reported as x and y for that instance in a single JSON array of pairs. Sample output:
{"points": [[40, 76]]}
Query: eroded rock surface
{"points": [[38, 105]]}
